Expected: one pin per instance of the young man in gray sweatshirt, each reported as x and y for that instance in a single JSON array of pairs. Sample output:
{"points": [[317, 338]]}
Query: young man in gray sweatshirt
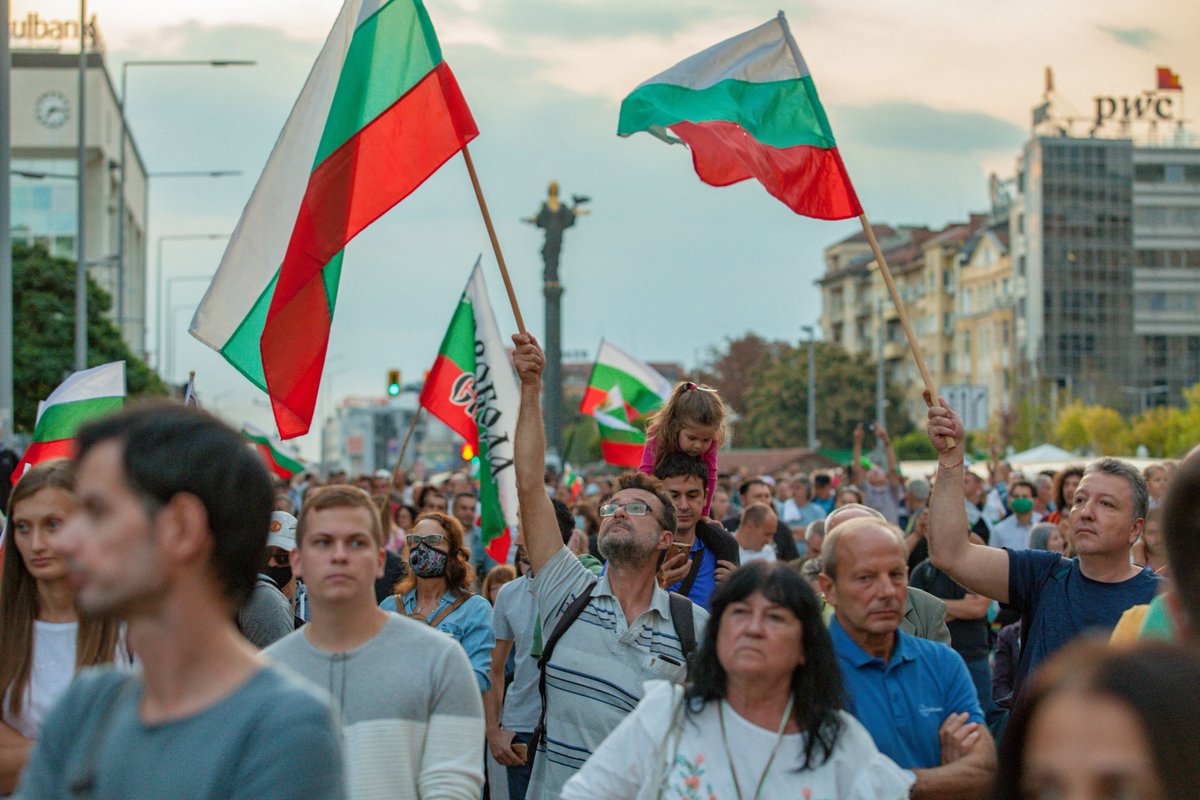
{"points": [[409, 706]]}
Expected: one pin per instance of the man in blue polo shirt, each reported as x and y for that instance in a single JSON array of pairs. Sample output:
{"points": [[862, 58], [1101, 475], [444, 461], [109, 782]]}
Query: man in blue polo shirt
{"points": [[914, 696], [714, 551]]}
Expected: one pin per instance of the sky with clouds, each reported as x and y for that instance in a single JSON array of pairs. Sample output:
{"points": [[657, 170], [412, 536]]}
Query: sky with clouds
{"points": [[926, 98]]}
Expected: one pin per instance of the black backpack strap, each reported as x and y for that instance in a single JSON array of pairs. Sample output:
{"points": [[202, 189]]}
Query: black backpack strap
{"points": [[690, 578], [684, 622], [571, 614]]}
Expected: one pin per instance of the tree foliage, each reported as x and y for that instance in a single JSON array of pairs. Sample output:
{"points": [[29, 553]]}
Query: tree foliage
{"points": [[776, 403], [735, 370], [43, 333]]}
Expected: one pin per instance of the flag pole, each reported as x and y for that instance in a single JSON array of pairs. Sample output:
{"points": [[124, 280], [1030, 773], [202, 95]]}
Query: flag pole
{"points": [[487, 220], [899, 304], [412, 426]]}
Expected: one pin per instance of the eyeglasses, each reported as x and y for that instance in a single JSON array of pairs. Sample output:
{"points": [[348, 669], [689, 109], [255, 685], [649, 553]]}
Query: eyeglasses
{"points": [[431, 539], [632, 509]]}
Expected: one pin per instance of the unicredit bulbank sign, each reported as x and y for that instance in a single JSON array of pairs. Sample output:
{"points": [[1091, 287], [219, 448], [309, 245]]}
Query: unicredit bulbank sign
{"points": [[35, 32]]}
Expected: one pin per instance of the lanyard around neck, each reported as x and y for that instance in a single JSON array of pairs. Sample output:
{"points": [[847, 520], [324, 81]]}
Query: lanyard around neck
{"points": [[762, 779]]}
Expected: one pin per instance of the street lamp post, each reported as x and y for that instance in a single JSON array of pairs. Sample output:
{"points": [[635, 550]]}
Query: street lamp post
{"points": [[81, 303], [158, 293], [812, 387], [124, 137], [6, 267]]}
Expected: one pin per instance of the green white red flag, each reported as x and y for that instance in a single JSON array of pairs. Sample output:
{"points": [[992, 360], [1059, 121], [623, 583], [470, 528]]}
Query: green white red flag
{"points": [[572, 480], [472, 389], [748, 108], [642, 388], [379, 113], [82, 397], [621, 443], [282, 460]]}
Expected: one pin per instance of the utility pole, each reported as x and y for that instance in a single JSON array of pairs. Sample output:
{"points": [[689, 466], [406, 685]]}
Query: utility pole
{"points": [[812, 387], [81, 304], [6, 266]]}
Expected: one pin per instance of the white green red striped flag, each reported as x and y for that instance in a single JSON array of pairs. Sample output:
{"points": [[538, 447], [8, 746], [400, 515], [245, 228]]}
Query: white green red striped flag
{"points": [[379, 113], [643, 388], [572, 480], [281, 459], [748, 108], [621, 444], [472, 389], [82, 397]]}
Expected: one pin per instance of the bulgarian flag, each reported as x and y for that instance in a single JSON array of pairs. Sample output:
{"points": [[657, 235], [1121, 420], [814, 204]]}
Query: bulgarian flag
{"points": [[379, 113], [621, 444], [748, 108], [82, 397], [642, 388], [572, 480], [472, 389], [280, 459]]}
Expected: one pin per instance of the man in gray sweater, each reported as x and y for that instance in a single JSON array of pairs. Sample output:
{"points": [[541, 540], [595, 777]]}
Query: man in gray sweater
{"points": [[410, 709]]}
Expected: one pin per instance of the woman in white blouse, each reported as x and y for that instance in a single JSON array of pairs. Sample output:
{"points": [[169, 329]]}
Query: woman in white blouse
{"points": [[43, 639], [761, 716]]}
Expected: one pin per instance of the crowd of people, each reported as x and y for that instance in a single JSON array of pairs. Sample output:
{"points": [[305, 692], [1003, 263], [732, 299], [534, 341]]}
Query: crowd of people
{"points": [[173, 623]]}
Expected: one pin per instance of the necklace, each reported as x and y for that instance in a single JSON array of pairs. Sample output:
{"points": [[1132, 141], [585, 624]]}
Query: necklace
{"points": [[737, 784]]}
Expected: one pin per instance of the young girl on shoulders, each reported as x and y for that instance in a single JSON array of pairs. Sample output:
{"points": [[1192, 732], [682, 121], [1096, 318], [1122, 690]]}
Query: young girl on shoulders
{"points": [[693, 422]]}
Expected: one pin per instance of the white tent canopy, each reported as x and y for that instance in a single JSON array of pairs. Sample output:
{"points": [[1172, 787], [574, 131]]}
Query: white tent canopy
{"points": [[1043, 452]]}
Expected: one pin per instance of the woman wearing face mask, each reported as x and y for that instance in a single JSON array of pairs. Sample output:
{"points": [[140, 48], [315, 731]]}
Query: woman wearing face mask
{"points": [[437, 590], [43, 638]]}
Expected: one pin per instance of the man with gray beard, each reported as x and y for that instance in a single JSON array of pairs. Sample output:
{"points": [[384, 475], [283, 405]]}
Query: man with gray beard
{"points": [[623, 629]]}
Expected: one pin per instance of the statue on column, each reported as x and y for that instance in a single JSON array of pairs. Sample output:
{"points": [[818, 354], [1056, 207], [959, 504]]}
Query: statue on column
{"points": [[554, 218]]}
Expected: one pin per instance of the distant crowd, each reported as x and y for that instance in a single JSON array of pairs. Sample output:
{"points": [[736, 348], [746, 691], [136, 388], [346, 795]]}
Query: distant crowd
{"points": [[175, 623]]}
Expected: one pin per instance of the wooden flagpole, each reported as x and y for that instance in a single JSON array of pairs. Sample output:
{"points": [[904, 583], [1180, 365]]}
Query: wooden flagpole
{"points": [[412, 426], [487, 220], [899, 304]]}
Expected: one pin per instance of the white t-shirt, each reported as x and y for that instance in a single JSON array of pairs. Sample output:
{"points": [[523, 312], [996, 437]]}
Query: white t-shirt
{"points": [[627, 764], [766, 554], [51, 673]]}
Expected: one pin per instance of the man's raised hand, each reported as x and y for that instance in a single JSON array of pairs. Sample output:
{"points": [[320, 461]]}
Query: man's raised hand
{"points": [[528, 358], [946, 431]]}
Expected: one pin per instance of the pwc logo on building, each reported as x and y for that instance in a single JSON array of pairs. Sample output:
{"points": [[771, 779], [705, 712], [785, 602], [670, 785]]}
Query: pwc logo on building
{"points": [[1153, 105]]}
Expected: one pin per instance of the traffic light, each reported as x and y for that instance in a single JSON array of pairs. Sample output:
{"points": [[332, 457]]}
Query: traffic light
{"points": [[393, 384]]}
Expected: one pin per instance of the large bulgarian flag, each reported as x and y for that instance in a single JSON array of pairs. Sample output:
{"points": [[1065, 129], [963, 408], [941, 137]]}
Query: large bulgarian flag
{"points": [[282, 460], [748, 108], [642, 388], [82, 397], [472, 389], [379, 113], [621, 443]]}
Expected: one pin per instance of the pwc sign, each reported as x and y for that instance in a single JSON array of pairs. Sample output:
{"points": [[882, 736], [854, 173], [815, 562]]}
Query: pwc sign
{"points": [[1153, 104]]}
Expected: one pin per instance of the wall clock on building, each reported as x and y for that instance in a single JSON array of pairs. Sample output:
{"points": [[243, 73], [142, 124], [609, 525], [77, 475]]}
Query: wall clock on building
{"points": [[52, 109]]}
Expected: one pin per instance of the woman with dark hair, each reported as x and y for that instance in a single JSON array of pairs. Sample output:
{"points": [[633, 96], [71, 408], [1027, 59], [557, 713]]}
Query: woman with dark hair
{"points": [[1104, 722], [43, 638], [761, 716], [437, 590], [1065, 482]]}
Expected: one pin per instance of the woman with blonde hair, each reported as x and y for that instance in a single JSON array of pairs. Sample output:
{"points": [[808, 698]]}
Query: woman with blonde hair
{"points": [[437, 590], [44, 640]]}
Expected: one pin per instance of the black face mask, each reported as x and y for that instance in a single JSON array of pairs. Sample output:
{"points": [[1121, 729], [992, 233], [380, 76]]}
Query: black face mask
{"points": [[280, 575]]}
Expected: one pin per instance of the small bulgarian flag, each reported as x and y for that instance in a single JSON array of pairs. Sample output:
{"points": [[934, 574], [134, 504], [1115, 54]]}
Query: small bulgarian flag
{"points": [[379, 113], [280, 459], [748, 108], [473, 390], [621, 444], [573, 480], [82, 397], [642, 388]]}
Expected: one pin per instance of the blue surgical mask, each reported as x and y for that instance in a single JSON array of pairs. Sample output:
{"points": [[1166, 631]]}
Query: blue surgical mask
{"points": [[580, 522]]}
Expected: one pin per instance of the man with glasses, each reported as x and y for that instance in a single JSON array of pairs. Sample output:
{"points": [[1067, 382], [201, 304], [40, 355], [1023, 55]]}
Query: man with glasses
{"points": [[409, 706], [268, 615], [623, 629]]}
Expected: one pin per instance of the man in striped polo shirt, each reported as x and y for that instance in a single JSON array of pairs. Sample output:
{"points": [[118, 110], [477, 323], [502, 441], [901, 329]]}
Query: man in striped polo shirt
{"points": [[625, 635]]}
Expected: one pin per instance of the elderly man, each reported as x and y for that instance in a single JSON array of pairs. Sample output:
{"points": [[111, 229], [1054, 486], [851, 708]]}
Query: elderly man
{"points": [[924, 614], [756, 490], [602, 638], [883, 490], [1057, 598], [755, 534], [915, 697]]}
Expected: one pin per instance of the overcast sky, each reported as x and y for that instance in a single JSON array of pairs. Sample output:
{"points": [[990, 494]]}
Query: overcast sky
{"points": [[925, 97]]}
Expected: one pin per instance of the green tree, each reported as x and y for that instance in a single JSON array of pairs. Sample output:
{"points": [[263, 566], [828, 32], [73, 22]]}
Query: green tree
{"points": [[776, 413], [43, 332], [914, 446], [735, 370]]}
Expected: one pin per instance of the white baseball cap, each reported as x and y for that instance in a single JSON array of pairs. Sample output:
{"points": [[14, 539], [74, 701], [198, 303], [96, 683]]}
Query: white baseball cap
{"points": [[282, 531]]}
